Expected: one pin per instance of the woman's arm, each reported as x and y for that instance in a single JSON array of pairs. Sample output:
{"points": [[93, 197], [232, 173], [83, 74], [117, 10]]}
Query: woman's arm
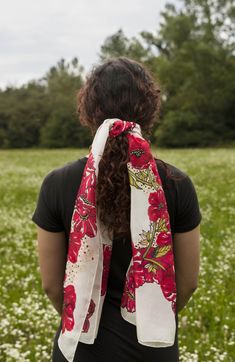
{"points": [[187, 258], [52, 261]]}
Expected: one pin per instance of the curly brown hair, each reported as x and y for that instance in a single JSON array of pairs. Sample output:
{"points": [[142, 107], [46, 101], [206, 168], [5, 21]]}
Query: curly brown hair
{"points": [[117, 88]]}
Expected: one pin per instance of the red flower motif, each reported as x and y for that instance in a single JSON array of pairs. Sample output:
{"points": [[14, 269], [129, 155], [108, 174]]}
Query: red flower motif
{"points": [[138, 272], [168, 286], [119, 127], [164, 239], [91, 310], [87, 191], [142, 272], [84, 215], [89, 176], [157, 208], [84, 218], [128, 297], [139, 151], [74, 246], [107, 250], [145, 270], [68, 308]]}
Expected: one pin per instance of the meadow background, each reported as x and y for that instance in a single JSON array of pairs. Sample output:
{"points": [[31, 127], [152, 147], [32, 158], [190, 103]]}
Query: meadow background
{"points": [[29, 322], [191, 56]]}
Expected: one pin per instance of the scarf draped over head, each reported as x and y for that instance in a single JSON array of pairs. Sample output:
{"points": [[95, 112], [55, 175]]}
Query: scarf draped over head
{"points": [[149, 296]]}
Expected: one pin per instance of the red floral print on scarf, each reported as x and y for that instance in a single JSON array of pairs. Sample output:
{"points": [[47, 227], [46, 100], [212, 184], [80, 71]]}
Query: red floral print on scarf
{"points": [[74, 246], [120, 127], [84, 215], [128, 297], [154, 261], [68, 308], [139, 152], [144, 271], [169, 287], [107, 249], [157, 208], [91, 310]]}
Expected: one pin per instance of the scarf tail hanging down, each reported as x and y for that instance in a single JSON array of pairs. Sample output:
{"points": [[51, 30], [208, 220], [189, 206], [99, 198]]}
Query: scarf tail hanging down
{"points": [[149, 296]]}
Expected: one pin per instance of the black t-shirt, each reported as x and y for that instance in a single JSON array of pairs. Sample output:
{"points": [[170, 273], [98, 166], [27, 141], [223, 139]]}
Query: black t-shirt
{"points": [[54, 213]]}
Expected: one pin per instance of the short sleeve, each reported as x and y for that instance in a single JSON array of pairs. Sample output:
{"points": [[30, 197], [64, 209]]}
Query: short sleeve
{"points": [[47, 213], [188, 214]]}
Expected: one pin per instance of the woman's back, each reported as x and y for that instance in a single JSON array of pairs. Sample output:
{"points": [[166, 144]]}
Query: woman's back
{"points": [[116, 338]]}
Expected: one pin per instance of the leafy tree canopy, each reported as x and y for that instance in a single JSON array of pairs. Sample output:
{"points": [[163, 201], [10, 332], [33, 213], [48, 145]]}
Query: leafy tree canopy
{"points": [[191, 55]]}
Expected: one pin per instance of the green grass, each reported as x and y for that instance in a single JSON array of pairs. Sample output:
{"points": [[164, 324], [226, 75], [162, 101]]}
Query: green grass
{"points": [[28, 321]]}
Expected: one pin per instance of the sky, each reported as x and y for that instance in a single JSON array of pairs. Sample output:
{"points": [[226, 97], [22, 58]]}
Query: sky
{"points": [[34, 35]]}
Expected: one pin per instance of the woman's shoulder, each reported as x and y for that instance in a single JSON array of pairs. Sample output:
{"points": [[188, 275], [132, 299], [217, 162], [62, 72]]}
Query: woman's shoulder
{"points": [[171, 176], [68, 172], [180, 190], [169, 170], [70, 167], [177, 182]]}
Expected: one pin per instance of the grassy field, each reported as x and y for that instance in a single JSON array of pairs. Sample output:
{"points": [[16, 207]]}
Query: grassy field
{"points": [[28, 321]]}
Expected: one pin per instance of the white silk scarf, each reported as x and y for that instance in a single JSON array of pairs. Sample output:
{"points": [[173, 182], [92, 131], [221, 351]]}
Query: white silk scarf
{"points": [[149, 296]]}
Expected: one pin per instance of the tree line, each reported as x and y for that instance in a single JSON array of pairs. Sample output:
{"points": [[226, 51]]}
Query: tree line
{"points": [[191, 56]]}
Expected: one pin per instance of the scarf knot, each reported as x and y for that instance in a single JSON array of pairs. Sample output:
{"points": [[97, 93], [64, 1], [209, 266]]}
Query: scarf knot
{"points": [[120, 126]]}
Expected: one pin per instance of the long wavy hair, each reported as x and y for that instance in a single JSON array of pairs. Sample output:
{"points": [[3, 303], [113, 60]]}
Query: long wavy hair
{"points": [[117, 88]]}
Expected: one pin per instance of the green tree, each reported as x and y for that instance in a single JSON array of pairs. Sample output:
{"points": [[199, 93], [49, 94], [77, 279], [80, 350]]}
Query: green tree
{"points": [[192, 55], [62, 128], [43, 112], [197, 69], [23, 111], [119, 45]]}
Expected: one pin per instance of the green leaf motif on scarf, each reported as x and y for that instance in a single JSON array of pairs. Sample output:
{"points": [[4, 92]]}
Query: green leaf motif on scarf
{"points": [[131, 295], [146, 237], [161, 251], [161, 226], [143, 177], [132, 180], [151, 267]]}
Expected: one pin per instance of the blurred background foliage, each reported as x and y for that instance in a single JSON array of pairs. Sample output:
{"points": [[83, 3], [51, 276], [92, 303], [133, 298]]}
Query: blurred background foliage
{"points": [[191, 56]]}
